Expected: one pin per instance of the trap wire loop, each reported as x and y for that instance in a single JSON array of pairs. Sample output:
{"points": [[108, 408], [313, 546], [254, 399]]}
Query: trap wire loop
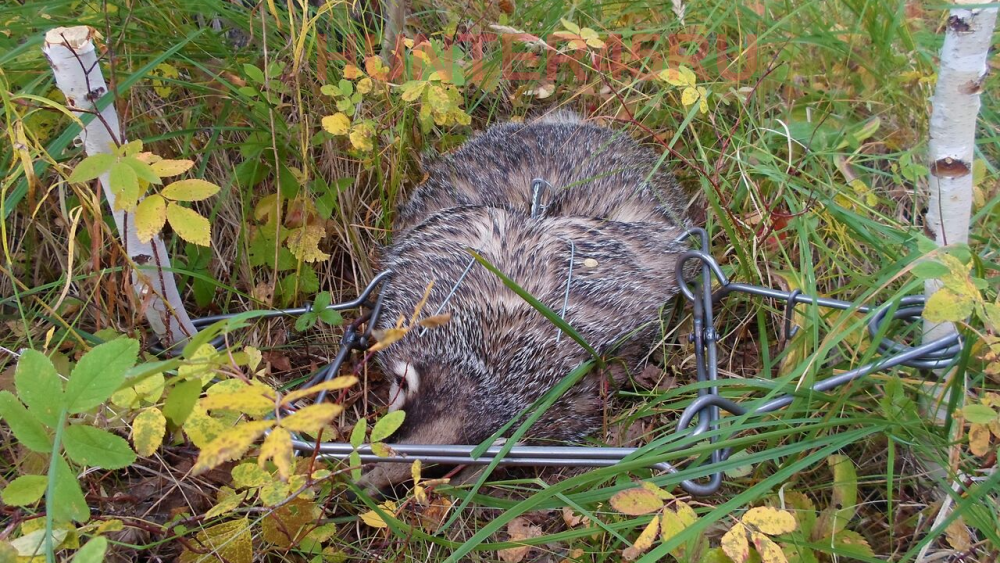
{"points": [[706, 408]]}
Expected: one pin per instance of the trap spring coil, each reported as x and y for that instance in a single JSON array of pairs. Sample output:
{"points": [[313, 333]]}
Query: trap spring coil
{"points": [[706, 408]]}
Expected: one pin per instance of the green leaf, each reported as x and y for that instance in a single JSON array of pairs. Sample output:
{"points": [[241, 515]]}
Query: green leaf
{"points": [[358, 433], [25, 490], [142, 170], [181, 400], [92, 446], [92, 167], [331, 317], [99, 373], [39, 386], [33, 544], [189, 225], [979, 414], [930, 269], [254, 73], [68, 502], [192, 189], [125, 185], [150, 216], [26, 428], [305, 321], [93, 552], [387, 425]]}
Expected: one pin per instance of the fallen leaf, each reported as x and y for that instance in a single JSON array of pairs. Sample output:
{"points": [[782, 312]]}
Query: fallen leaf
{"points": [[519, 529]]}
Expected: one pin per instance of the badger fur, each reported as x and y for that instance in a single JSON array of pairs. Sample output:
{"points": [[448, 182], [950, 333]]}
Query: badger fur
{"points": [[608, 207]]}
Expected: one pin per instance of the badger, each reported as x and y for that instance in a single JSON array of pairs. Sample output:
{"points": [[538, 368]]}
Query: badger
{"points": [[581, 217]]}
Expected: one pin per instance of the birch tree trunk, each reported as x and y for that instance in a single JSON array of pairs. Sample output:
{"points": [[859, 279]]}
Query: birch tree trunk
{"points": [[71, 53], [953, 132]]}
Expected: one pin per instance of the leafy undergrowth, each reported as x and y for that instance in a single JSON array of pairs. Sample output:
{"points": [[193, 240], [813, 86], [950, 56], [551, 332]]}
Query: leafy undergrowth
{"points": [[272, 153]]}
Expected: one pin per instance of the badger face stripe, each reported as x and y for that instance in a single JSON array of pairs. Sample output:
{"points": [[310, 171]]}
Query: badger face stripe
{"points": [[405, 384]]}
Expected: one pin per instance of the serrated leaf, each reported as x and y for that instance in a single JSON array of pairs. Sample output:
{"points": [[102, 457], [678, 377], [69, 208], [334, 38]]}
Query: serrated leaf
{"points": [[249, 475], [148, 429], [99, 373], [181, 400], [227, 500], [337, 124], [770, 520], [168, 168], [850, 543], [230, 445], [92, 552], [150, 216], [278, 447], [124, 184], [644, 541], [142, 170], [26, 428], [672, 523], [230, 541], [249, 400], [92, 167], [636, 502], [68, 502], [25, 490], [189, 225], [39, 386], [387, 425], [342, 382], [769, 551], [201, 429], [92, 446], [192, 189], [735, 544], [304, 243], [976, 413], [311, 419]]}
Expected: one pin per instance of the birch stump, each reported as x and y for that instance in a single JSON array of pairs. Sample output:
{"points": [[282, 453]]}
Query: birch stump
{"points": [[70, 52]]}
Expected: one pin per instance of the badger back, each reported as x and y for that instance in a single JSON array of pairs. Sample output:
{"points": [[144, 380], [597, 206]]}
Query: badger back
{"points": [[587, 170]]}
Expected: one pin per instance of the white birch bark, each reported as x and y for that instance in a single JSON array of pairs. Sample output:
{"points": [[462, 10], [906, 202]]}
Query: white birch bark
{"points": [[955, 108], [71, 53]]}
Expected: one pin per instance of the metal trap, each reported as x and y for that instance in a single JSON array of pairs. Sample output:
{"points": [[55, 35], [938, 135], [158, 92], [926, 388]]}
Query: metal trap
{"points": [[702, 416]]}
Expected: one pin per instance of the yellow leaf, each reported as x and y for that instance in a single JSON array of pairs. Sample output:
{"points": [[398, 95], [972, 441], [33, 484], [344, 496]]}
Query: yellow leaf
{"points": [[689, 96], [189, 225], [248, 400], [342, 382], [278, 446], [230, 445], [435, 321], [249, 475], [636, 502], [770, 520], [192, 189], [660, 493], [570, 26], [147, 431], [957, 534], [361, 136], [686, 514], [387, 337], [687, 76], [645, 540], [201, 429], [373, 519], [979, 439], [150, 216], [229, 541], [227, 500], [351, 72], [735, 544], [311, 419], [702, 100], [337, 124], [304, 243], [946, 305], [167, 168], [254, 358], [769, 551], [163, 88], [365, 85]]}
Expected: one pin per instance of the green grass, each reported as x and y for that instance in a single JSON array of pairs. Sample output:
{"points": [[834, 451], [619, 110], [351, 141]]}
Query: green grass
{"points": [[769, 169]]}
